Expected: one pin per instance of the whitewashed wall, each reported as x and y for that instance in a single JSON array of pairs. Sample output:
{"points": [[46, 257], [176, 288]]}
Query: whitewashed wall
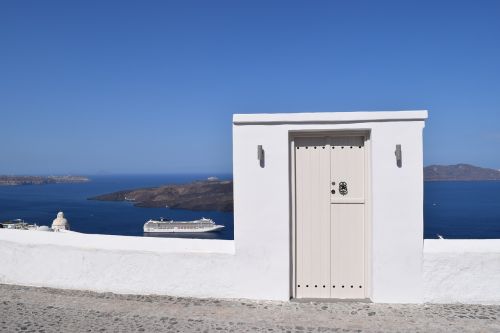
{"points": [[257, 265], [114, 263], [136, 265], [465, 271], [262, 195]]}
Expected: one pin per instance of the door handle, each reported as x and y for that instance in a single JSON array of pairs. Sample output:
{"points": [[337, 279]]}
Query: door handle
{"points": [[343, 188]]}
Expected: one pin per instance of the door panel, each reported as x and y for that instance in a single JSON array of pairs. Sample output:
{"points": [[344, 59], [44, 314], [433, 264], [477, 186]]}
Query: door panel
{"points": [[347, 169], [330, 217], [313, 218], [347, 269]]}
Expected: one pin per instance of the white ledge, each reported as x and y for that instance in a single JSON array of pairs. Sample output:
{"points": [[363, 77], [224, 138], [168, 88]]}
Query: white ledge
{"points": [[328, 117], [462, 246], [118, 243]]}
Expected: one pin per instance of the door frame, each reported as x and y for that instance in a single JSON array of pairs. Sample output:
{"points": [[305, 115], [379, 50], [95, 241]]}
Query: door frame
{"points": [[366, 134]]}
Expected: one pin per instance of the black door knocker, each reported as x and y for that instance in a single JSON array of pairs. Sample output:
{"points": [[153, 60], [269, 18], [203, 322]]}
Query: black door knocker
{"points": [[343, 188]]}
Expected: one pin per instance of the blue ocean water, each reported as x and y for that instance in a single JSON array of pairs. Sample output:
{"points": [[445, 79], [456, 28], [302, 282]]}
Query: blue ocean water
{"points": [[40, 204], [451, 209], [465, 209]]}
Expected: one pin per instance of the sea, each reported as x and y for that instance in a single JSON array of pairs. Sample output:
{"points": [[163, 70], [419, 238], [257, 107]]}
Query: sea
{"points": [[468, 210], [462, 209], [40, 203]]}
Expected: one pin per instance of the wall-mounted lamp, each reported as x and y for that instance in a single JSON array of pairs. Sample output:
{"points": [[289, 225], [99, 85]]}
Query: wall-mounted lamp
{"points": [[260, 155], [399, 156]]}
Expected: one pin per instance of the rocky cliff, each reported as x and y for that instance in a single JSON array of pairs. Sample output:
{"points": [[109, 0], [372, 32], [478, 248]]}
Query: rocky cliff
{"points": [[201, 195]]}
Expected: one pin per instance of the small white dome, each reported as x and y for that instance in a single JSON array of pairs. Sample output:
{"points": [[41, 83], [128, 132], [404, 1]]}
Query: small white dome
{"points": [[60, 222], [43, 228]]}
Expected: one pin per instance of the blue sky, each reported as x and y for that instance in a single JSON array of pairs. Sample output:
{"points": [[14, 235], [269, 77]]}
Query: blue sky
{"points": [[151, 86]]}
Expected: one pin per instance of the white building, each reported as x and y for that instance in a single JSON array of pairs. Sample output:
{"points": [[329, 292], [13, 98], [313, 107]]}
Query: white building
{"points": [[60, 222], [335, 204]]}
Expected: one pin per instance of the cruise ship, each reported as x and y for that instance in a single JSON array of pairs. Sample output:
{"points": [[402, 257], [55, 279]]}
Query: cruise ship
{"points": [[169, 225], [18, 224]]}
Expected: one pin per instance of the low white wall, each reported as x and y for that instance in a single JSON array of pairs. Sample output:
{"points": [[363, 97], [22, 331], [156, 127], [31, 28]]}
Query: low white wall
{"points": [[141, 265], [464, 271], [118, 243], [183, 267]]}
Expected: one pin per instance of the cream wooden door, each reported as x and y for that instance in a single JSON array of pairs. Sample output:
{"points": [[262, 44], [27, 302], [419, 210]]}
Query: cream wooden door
{"points": [[329, 216]]}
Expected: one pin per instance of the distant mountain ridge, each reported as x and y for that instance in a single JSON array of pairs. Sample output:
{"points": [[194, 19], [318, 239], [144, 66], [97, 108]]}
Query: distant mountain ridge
{"points": [[40, 180], [459, 172]]}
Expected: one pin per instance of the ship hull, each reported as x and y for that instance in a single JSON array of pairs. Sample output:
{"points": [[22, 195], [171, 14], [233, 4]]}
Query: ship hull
{"points": [[183, 231]]}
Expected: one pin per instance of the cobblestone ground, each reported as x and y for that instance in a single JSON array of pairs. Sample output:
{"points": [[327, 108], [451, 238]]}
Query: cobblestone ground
{"points": [[28, 309]]}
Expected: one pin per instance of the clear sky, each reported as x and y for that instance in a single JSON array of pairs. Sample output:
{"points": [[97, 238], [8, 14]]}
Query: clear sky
{"points": [[151, 86]]}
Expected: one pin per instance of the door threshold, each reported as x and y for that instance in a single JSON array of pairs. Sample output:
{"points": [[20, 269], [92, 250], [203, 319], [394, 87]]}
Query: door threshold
{"points": [[331, 300]]}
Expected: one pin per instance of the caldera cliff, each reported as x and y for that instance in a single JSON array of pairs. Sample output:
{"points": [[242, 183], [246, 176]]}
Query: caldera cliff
{"points": [[200, 195]]}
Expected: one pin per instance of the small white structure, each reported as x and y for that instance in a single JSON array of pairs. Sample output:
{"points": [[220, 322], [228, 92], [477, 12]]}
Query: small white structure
{"points": [[44, 228], [333, 201], [60, 222]]}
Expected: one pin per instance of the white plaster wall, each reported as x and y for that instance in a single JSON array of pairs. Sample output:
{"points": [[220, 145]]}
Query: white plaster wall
{"points": [[136, 265], [262, 196], [118, 264], [397, 205], [465, 271]]}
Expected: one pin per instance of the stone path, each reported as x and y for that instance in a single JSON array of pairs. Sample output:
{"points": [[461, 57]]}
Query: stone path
{"points": [[28, 309]]}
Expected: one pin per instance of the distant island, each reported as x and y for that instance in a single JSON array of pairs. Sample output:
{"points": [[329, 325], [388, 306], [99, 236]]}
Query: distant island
{"points": [[465, 172], [40, 180], [214, 194], [211, 194]]}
